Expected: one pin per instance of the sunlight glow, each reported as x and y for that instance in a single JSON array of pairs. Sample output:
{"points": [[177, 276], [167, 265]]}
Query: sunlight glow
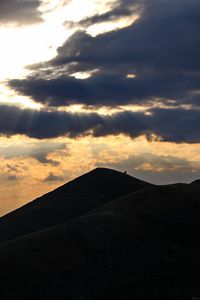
{"points": [[28, 45], [109, 26], [9, 97], [23, 46], [84, 75], [132, 75]]}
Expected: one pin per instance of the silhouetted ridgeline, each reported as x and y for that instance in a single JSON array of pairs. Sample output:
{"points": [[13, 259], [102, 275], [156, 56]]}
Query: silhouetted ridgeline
{"points": [[69, 201], [104, 235]]}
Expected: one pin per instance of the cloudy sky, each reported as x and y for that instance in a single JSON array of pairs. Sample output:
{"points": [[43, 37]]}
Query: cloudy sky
{"points": [[87, 83]]}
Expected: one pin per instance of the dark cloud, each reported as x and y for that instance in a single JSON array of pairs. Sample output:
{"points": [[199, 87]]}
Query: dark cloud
{"points": [[11, 173], [38, 150], [42, 157], [161, 48], [7, 179], [41, 152], [177, 125], [14, 169], [157, 168], [53, 178], [19, 12], [12, 178], [107, 90], [174, 125], [44, 124], [120, 9]]}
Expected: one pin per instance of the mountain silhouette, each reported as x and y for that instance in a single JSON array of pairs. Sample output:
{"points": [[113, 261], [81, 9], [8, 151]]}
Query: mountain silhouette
{"points": [[71, 200], [196, 182], [136, 241]]}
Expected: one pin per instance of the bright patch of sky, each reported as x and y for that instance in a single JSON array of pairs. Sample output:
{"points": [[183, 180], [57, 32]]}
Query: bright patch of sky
{"points": [[26, 45]]}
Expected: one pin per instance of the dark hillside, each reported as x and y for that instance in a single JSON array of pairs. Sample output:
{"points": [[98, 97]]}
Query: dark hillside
{"points": [[71, 200], [171, 213], [145, 244], [197, 182], [92, 257]]}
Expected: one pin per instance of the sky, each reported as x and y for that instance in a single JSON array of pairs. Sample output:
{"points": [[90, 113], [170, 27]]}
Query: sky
{"points": [[97, 83]]}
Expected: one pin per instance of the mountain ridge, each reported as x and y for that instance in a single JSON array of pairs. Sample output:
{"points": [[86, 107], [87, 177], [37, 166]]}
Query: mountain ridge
{"points": [[143, 243], [71, 200]]}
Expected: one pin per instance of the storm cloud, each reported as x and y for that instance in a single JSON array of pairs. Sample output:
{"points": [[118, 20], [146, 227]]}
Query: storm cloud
{"points": [[52, 124], [155, 60], [120, 9], [19, 12], [160, 50]]}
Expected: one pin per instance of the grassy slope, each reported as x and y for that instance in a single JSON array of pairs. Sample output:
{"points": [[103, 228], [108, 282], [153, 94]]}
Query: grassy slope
{"points": [[67, 202], [143, 244]]}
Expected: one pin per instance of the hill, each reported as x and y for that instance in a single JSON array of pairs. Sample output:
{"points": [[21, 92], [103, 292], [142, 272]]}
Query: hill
{"points": [[69, 201], [142, 244], [197, 182]]}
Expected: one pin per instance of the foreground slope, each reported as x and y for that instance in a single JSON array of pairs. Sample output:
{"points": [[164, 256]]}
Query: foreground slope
{"points": [[71, 200], [145, 244]]}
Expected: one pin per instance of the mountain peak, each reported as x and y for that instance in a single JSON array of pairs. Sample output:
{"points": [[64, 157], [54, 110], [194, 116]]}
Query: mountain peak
{"points": [[197, 181], [105, 171], [69, 201]]}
